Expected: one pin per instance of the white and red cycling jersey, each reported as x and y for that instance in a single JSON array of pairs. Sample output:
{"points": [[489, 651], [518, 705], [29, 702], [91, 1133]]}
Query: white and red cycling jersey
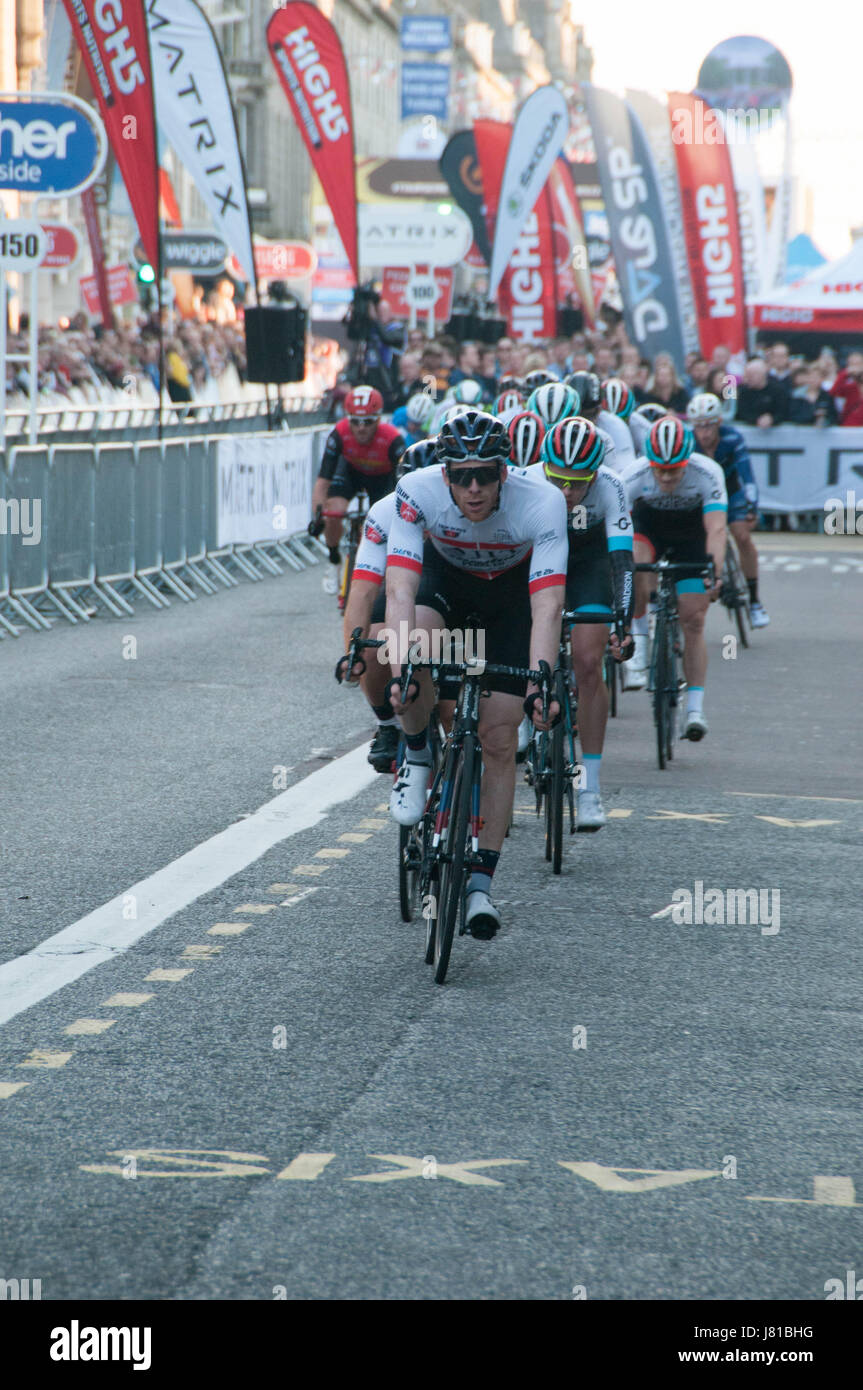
{"points": [[371, 557], [530, 520]]}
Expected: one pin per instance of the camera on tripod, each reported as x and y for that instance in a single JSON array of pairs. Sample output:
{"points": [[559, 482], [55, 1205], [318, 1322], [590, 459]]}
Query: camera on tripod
{"points": [[360, 321]]}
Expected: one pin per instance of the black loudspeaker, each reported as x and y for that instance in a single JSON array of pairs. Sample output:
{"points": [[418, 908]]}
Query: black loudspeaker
{"points": [[569, 320], [276, 343]]}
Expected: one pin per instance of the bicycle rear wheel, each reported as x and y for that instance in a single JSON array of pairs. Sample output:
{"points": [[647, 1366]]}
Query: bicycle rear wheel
{"points": [[557, 781], [610, 673], [409, 872], [452, 863]]}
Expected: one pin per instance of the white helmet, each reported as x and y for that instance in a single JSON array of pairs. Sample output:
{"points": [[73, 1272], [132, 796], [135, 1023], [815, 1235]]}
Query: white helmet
{"points": [[553, 402], [467, 392], [420, 409], [703, 409], [454, 411]]}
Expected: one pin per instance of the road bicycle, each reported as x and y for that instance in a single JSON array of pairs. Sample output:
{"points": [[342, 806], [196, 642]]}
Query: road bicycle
{"points": [[734, 594], [447, 836], [666, 681], [356, 521], [551, 766]]}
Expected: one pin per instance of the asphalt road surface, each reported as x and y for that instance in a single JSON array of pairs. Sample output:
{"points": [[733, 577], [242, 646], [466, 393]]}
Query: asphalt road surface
{"points": [[227, 1073]]}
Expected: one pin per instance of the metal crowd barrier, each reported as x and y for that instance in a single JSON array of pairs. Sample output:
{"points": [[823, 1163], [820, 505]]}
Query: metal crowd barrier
{"points": [[86, 527], [71, 423]]}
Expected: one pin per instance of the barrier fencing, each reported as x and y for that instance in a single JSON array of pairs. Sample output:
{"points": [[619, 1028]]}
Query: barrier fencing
{"points": [[90, 527]]}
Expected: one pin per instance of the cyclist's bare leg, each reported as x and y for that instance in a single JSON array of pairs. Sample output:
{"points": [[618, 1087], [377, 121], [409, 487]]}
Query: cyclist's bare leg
{"points": [[693, 610], [417, 714], [334, 510], [642, 554], [377, 675], [588, 648], [742, 533], [498, 730]]}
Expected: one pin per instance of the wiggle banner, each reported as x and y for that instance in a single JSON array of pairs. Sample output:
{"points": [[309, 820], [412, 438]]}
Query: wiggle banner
{"points": [[309, 59], [710, 223], [527, 290], [112, 37]]}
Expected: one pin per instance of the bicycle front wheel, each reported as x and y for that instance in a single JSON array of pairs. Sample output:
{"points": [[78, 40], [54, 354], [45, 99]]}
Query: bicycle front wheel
{"points": [[409, 872], [557, 785], [450, 878], [661, 691]]}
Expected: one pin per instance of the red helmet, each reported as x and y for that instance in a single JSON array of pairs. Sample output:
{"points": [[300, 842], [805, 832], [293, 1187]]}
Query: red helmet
{"points": [[526, 432], [364, 402]]}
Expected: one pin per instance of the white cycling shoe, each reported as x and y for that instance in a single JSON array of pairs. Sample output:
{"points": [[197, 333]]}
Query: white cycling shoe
{"points": [[696, 726], [635, 670], [409, 793], [525, 734], [330, 583], [591, 812], [758, 615], [481, 917]]}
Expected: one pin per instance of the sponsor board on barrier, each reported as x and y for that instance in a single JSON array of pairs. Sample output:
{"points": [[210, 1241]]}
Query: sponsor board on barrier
{"points": [[801, 469], [264, 487]]}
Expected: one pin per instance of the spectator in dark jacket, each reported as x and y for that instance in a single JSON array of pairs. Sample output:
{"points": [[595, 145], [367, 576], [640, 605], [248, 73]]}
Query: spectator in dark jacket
{"points": [[847, 390], [760, 401], [810, 404]]}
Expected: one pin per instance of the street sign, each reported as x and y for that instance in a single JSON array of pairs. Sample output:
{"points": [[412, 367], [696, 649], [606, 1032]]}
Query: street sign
{"points": [[422, 290], [413, 234], [62, 248], [121, 289], [56, 144], [22, 243], [276, 260], [394, 286]]}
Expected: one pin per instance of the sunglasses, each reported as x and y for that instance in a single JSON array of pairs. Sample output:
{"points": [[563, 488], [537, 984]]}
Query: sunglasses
{"points": [[568, 480], [463, 477], [363, 420]]}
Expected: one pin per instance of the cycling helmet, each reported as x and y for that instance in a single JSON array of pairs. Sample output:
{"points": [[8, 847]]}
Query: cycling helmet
{"points": [[651, 411], [588, 387], [467, 392], [454, 411], [617, 397], [553, 402], [538, 377], [472, 435], [669, 443], [419, 410], [526, 433], [574, 447], [704, 409], [508, 400], [511, 383], [418, 455], [364, 402]]}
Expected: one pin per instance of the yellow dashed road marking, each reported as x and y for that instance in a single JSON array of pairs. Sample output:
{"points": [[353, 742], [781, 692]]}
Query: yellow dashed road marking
{"points": [[369, 822], [259, 908], [352, 838], [89, 1025], [46, 1057], [201, 951], [618, 813], [8, 1088], [229, 928], [828, 1192], [167, 974], [797, 824], [278, 888], [332, 853], [306, 1167], [310, 870], [126, 1001], [383, 806]]}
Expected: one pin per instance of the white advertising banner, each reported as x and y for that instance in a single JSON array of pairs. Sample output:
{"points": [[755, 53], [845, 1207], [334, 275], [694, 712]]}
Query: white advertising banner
{"points": [[194, 111], [265, 487], [806, 468], [538, 137]]}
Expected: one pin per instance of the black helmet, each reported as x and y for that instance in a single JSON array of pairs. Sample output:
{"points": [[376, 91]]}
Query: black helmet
{"points": [[538, 377], [589, 388], [473, 435], [415, 456]]}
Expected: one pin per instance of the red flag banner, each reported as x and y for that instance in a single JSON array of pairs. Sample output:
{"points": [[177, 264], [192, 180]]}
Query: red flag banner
{"points": [[571, 264], [309, 59], [527, 290], [710, 224], [97, 251], [112, 37]]}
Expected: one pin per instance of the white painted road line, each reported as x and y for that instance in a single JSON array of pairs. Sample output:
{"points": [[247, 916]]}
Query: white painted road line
{"points": [[105, 933]]}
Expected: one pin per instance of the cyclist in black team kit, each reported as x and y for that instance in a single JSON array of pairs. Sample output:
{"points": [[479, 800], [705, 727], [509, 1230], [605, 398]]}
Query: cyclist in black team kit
{"points": [[497, 549]]}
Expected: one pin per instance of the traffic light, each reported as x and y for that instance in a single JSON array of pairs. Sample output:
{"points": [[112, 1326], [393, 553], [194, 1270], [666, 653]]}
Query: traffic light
{"points": [[145, 277], [146, 274]]}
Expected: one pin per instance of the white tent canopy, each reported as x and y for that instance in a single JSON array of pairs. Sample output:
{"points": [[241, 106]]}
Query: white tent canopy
{"points": [[827, 300]]}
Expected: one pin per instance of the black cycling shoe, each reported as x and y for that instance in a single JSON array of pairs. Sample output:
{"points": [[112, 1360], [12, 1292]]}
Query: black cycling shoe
{"points": [[385, 746]]}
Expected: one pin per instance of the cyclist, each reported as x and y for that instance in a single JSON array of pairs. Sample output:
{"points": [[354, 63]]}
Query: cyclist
{"points": [[414, 418], [496, 549], [526, 433], [553, 402], [465, 393], [598, 580], [619, 451], [679, 505], [361, 454], [538, 377], [727, 446], [507, 402], [366, 609], [640, 421]]}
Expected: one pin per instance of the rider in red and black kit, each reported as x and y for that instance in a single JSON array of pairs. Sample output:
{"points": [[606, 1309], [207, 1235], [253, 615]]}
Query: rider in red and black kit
{"points": [[361, 454]]}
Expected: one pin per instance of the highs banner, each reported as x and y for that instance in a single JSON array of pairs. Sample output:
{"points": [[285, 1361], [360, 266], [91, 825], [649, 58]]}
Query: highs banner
{"points": [[113, 42], [197, 117], [710, 224], [639, 239], [527, 289], [309, 59], [538, 136]]}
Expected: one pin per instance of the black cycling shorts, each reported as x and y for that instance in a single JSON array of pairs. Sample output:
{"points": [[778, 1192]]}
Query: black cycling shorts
{"points": [[502, 606], [347, 482], [588, 572], [679, 536]]}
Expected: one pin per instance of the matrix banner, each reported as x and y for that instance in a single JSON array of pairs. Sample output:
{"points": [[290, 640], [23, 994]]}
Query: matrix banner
{"points": [[710, 226], [639, 240], [309, 59], [113, 41]]}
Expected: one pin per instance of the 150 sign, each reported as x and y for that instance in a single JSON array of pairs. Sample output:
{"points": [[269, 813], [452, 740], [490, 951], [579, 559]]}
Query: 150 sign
{"points": [[22, 244]]}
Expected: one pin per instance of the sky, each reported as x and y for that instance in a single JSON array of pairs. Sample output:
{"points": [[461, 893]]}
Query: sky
{"points": [[661, 47]]}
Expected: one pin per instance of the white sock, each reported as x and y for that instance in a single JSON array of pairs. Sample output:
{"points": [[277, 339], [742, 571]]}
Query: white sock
{"points": [[639, 626], [695, 699], [591, 771]]}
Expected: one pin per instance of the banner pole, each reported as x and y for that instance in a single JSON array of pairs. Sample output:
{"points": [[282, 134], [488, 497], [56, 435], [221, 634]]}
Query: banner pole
{"points": [[161, 329]]}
